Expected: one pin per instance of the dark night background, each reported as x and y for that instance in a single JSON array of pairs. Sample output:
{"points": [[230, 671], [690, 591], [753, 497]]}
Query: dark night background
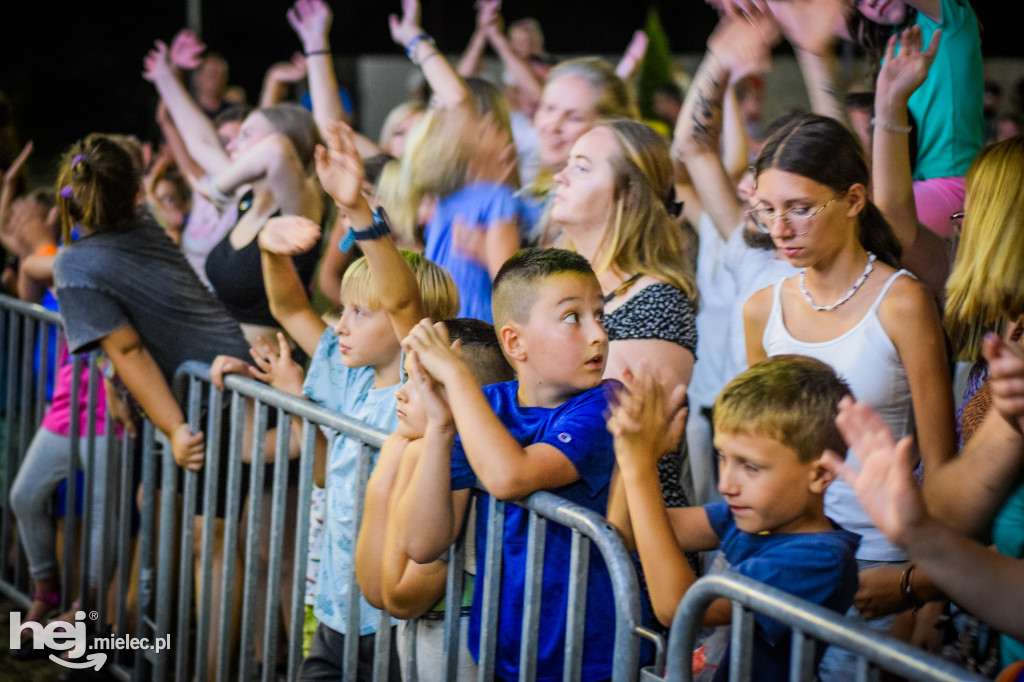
{"points": [[71, 68]]}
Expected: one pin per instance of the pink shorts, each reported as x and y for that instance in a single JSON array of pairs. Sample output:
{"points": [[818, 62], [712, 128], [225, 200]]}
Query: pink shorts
{"points": [[937, 199]]}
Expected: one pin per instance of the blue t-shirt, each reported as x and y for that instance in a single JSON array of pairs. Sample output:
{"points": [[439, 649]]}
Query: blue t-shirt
{"points": [[818, 567], [577, 429], [350, 391], [476, 207]]}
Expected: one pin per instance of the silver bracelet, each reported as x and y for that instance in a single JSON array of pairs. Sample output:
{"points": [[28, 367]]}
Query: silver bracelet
{"points": [[891, 127]]}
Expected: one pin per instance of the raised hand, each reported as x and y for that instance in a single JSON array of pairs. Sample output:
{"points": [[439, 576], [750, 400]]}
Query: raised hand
{"points": [[433, 349], [276, 367], [186, 49], [408, 27], [8, 177], [439, 412], [311, 20], [488, 16], [743, 44], [339, 167], [633, 55], [903, 73], [291, 71], [884, 485], [810, 25], [157, 62], [1006, 375], [644, 421], [289, 235]]}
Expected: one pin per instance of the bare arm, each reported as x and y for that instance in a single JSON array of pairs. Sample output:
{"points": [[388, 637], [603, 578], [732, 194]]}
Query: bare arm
{"points": [[925, 254], [735, 49], [447, 85], [341, 174], [311, 20], [910, 318], [279, 77], [8, 188], [140, 373], [274, 159], [755, 318], [279, 240], [370, 545], [196, 129], [192, 171]]}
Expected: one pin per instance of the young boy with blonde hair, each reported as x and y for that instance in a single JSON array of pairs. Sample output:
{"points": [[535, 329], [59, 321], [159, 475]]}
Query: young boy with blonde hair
{"points": [[542, 432], [355, 370], [773, 424]]}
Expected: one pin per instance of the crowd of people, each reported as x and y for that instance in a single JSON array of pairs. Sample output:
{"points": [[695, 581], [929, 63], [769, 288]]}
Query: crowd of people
{"points": [[789, 349]]}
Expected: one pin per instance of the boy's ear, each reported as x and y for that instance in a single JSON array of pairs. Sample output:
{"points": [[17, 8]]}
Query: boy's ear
{"points": [[512, 342], [821, 476]]}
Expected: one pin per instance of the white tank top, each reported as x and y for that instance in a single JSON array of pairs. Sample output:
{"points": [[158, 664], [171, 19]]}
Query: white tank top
{"points": [[867, 360]]}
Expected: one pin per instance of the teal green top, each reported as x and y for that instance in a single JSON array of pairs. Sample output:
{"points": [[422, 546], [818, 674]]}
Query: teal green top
{"points": [[948, 106], [1008, 536]]}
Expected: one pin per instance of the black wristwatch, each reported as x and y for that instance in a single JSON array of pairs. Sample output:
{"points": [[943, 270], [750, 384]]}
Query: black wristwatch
{"points": [[380, 227]]}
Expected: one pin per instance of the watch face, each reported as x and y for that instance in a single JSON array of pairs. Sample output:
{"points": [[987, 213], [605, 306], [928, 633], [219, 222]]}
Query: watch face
{"points": [[381, 216]]}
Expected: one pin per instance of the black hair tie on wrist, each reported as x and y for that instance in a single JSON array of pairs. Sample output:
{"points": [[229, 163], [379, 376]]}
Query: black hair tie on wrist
{"points": [[674, 208]]}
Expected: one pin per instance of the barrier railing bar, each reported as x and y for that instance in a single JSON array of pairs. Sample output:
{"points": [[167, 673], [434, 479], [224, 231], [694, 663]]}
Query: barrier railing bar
{"points": [[277, 516], [802, 651], [814, 620], [211, 486], [306, 457], [259, 444], [492, 589], [535, 536]]}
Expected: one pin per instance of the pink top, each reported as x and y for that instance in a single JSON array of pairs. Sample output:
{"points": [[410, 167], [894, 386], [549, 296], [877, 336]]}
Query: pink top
{"points": [[58, 418]]}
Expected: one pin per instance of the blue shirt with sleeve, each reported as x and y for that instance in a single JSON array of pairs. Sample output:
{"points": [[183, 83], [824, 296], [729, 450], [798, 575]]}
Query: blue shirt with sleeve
{"points": [[577, 429], [350, 391], [818, 567], [475, 208]]}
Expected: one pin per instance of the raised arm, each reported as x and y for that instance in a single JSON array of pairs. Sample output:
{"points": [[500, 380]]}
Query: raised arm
{"points": [[528, 84], [188, 167], [275, 160], [8, 189], [472, 58], [279, 76], [280, 239], [968, 491], [341, 174], [646, 423], [311, 20], [889, 495], [811, 27], [505, 468], [447, 85], [925, 254], [631, 59], [196, 129], [429, 513], [735, 49]]}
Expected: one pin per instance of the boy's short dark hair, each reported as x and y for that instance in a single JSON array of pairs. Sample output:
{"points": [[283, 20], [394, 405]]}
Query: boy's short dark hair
{"points": [[516, 285], [481, 349], [792, 399]]}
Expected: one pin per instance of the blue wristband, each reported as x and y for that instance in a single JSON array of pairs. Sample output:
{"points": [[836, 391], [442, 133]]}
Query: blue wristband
{"points": [[416, 41]]}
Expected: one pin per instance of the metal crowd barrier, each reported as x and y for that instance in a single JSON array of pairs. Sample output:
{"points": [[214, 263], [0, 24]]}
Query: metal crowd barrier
{"points": [[810, 624], [167, 608]]}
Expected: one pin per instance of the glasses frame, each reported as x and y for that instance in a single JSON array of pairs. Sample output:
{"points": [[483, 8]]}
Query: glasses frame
{"points": [[766, 227], [957, 220]]}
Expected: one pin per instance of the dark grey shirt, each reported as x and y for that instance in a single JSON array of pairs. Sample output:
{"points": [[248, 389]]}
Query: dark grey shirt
{"points": [[107, 280]]}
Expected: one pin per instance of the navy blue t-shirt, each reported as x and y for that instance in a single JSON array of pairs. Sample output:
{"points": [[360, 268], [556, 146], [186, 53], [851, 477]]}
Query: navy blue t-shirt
{"points": [[577, 429], [818, 567]]}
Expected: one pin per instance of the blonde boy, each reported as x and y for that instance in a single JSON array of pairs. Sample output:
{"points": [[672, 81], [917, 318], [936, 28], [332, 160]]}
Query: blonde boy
{"points": [[773, 424], [355, 370], [541, 432]]}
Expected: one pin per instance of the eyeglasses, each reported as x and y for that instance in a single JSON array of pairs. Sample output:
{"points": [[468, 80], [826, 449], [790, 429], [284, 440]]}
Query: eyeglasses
{"points": [[796, 217], [957, 219]]}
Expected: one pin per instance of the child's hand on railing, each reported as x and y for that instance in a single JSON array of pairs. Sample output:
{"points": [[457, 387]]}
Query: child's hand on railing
{"points": [[189, 448], [276, 367], [227, 364]]}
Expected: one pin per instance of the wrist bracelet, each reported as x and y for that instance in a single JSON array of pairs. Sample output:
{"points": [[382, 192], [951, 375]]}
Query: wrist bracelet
{"points": [[907, 589], [316, 52], [416, 41], [892, 128]]}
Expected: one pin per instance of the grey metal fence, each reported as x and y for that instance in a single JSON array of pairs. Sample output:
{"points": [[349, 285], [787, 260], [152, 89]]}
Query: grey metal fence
{"points": [[811, 624]]}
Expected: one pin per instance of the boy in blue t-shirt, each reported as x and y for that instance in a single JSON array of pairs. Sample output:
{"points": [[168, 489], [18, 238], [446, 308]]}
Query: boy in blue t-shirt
{"points": [[542, 432], [773, 423]]}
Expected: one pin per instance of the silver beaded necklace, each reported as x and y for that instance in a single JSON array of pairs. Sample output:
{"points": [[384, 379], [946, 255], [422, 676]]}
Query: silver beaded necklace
{"points": [[849, 294]]}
